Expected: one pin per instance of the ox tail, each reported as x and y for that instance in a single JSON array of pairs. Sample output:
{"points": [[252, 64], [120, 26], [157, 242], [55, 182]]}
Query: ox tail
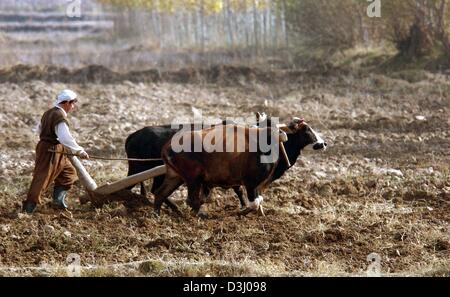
{"points": [[168, 155], [179, 164]]}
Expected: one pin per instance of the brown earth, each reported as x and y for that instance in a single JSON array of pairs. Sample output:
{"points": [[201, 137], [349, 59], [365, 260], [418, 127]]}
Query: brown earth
{"points": [[382, 187], [222, 74]]}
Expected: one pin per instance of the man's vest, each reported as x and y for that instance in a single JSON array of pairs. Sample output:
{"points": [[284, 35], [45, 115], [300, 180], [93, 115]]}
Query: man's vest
{"points": [[50, 119]]}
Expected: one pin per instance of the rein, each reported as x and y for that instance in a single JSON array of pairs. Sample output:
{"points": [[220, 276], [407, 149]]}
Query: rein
{"points": [[283, 151], [104, 158]]}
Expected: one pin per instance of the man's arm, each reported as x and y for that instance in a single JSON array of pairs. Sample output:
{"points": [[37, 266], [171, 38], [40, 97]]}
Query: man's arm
{"points": [[66, 139]]}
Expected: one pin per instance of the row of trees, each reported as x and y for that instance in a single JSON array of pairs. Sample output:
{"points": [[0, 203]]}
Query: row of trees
{"points": [[414, 26], [256, 24]]}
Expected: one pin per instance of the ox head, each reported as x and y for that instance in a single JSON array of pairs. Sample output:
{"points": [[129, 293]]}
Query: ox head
{"points": [[306, 134], [260, 116]]}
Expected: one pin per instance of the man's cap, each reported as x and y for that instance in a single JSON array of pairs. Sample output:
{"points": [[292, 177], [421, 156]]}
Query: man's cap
{"points": [[65, 95]]}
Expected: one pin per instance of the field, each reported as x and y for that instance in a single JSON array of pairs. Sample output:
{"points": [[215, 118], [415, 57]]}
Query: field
{"points": [[383, 186]]}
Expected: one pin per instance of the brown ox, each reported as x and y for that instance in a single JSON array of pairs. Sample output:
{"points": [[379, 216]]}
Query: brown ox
{"points": [[239, 163]]}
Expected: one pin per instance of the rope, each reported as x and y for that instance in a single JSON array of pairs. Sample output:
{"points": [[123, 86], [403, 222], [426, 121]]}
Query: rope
{"points": [[104, 158]]}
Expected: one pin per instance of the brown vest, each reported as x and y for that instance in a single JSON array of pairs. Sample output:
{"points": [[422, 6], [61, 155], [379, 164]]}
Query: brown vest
{"points": [[50, 119]]}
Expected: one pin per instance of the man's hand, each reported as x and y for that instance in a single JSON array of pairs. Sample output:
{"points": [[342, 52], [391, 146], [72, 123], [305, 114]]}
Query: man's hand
{"points": [[83, 155]]}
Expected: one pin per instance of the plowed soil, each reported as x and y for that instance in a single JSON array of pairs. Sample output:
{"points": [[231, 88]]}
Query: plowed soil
{"points": [[382, 187]]}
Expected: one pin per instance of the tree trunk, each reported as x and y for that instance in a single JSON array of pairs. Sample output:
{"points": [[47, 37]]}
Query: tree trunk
{"points": [[441, 27], [228, 19], [255, 27], [156, 26], [202, 26], [247, 41], [238, 37], [195, 25], [275, 27], [265, 20], [187, 29], [284, 24]]}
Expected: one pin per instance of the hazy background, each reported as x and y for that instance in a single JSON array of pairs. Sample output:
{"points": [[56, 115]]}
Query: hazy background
{"points": [[141, 34]]}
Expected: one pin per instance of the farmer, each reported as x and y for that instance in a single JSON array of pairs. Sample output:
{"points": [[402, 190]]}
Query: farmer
{"points": [[52, 167]]}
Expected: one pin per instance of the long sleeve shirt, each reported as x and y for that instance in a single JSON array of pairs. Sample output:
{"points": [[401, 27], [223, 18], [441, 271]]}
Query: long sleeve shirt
{"points": [[64, 136]]}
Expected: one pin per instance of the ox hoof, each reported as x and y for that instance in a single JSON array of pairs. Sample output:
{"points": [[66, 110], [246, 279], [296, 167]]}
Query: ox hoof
{"points": [[246, 211], [178, 213], [261, 211], [202, 214]]}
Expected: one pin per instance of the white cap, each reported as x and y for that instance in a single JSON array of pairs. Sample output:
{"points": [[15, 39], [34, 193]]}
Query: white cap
{"points": [[65, 95]]}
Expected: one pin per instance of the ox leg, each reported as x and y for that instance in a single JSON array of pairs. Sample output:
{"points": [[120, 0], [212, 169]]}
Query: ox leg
{"points": [[206, 198], [172, 205], [252, 193], [254, 200], [163, 193], [134, 168], [240, 194], [157, 182], [195, 199], [207, 193], [143, 190]]}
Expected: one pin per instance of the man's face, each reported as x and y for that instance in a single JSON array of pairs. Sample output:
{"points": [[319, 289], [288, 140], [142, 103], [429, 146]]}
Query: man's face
{"points": [[68, 106]]}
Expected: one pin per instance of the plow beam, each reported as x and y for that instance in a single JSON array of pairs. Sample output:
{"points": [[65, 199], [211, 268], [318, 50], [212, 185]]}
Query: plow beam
{"points": [[115, 191], [130, 180]]}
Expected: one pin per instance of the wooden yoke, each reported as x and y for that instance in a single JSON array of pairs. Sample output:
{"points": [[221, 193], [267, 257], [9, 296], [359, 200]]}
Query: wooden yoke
{"points": [[282, 128]]}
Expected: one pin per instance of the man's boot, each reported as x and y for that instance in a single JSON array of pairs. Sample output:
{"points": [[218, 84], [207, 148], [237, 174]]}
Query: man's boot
{"points": [[28, 206], [59, 194]]}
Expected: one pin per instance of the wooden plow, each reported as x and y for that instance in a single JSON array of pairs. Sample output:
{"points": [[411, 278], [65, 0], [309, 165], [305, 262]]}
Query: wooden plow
{"points": [[115, 191]]}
